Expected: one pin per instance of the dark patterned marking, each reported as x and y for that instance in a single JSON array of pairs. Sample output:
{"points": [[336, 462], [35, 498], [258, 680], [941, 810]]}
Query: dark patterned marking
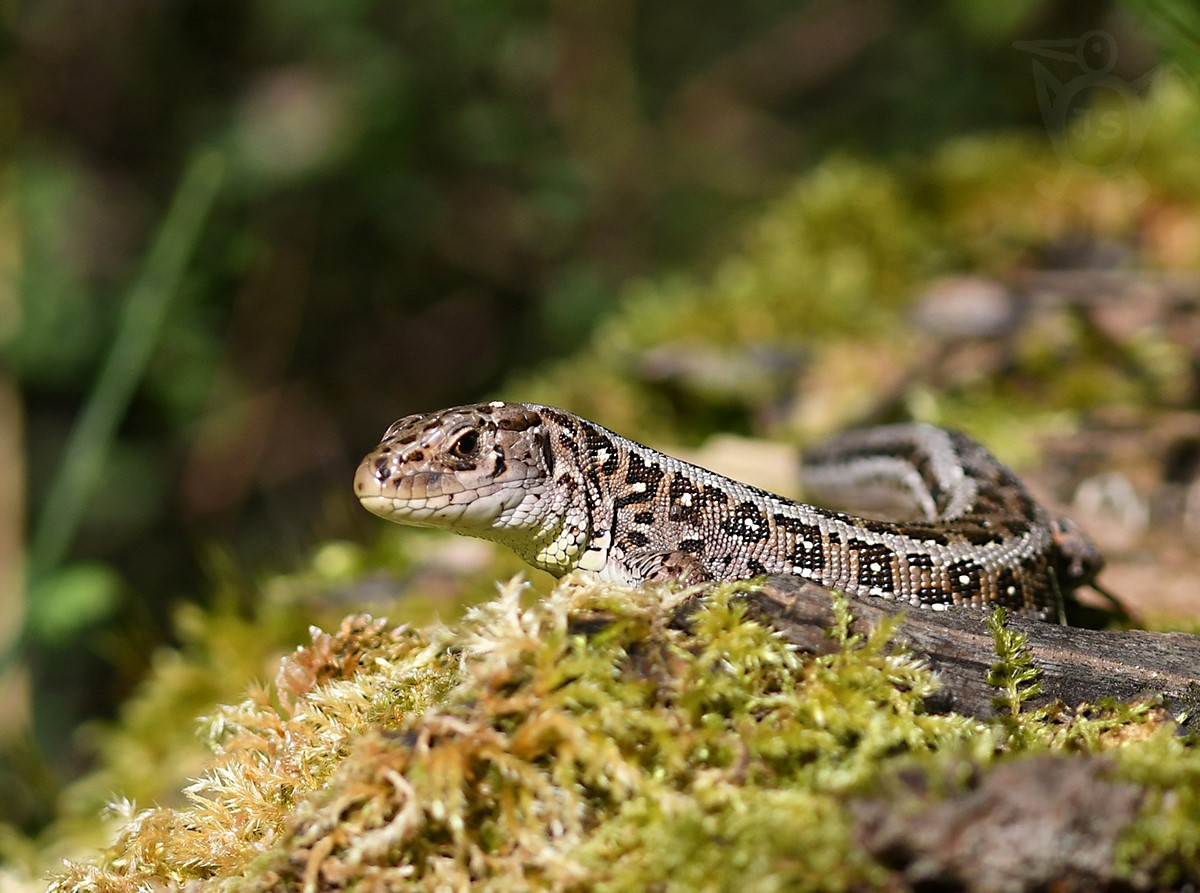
{"points": [[874, 565], [1017, 526], [806, 543], [919, 560], [966, 579], [568, 429], [636, 538], [691, 546], [600, 447], [981, 533], [519, 421], [593, 475], [1034, 565], [755, 567], [747, 523], [641, 482], [684, 499], [611, 463], [1024, 507], [501, 464], [786, 522], [632, 497], [642, 472], [644, 517], [1010, 592], [932, 595], [712, 497]]}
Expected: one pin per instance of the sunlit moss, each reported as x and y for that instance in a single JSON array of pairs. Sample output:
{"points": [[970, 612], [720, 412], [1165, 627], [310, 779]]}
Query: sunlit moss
{"points": [[151, 749], [592, 741]]}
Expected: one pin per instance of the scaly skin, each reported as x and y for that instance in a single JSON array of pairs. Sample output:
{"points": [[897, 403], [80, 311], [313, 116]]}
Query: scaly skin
{"points": [[566, 494]]}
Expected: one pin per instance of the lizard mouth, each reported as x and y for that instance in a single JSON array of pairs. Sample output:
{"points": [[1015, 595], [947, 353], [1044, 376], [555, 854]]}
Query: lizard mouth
{"points": [[424, 498], [397, 510], [385, 490]]}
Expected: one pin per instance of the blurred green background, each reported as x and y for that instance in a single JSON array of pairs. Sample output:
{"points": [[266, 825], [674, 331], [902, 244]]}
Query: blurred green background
{"points": [[237, 239]]}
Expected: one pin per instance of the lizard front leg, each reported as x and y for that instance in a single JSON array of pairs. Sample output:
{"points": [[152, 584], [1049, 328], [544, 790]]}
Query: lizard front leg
{"points": [[669, 566]]}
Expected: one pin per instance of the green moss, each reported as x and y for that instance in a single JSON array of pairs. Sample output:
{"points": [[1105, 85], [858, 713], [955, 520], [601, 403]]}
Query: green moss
{"points": [[587, 742], [150, 751], [1014, 673]]}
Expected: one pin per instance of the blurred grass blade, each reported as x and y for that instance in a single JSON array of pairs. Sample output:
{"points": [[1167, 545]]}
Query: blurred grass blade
{"points": [[1177, 24], [137, 333]]}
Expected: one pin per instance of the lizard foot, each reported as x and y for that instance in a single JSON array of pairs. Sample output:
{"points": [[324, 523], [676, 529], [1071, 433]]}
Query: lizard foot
{"points": [[679, 567]]}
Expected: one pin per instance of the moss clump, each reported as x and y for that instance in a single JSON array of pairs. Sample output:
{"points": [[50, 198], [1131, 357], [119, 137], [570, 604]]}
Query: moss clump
{"points": [[587, 742]]}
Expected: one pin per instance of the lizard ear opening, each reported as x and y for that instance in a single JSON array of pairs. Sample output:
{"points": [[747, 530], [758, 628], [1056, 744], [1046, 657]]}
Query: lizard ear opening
{"points": [[547, 452]]}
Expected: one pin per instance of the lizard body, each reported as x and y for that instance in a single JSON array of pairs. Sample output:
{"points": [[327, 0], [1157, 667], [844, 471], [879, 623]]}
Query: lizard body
{"points": [[567, 494]]}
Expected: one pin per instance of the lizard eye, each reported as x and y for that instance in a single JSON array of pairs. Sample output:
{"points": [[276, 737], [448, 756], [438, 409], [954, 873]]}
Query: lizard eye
{"points": [[466, 445]]}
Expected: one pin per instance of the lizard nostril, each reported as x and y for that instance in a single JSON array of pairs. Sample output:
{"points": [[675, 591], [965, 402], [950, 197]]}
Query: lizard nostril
{"points": [[383, 470]]}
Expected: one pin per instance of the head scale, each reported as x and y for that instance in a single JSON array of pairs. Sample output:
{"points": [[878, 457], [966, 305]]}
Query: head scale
{"points": [[477, 470]]}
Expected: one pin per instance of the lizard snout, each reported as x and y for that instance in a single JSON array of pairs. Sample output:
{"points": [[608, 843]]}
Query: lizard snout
{"points": [[373, 474]]}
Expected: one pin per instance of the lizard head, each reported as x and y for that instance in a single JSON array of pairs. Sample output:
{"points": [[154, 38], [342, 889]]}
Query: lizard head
{"points": [[481, 470]]}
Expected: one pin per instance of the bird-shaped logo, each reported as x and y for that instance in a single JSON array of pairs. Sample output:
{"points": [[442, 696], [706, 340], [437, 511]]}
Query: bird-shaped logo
{"points": [[1092, 118]]}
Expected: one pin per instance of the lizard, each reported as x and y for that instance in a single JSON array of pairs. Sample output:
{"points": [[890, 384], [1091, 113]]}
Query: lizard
{"points": [[569, 495]]}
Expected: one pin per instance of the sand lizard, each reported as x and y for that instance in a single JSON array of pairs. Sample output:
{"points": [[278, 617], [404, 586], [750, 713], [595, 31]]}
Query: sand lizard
{"points": [[567, 494]]}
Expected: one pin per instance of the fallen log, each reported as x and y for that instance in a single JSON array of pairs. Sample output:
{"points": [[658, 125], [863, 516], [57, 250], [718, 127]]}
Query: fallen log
{"points": [[1078, 666]]}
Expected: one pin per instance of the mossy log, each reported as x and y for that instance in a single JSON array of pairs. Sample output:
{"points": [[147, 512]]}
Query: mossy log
{"points": [[1078, 666]]}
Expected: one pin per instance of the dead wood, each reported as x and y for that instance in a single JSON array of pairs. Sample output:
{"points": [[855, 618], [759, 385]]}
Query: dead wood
{"points": [[1078, 666]]}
